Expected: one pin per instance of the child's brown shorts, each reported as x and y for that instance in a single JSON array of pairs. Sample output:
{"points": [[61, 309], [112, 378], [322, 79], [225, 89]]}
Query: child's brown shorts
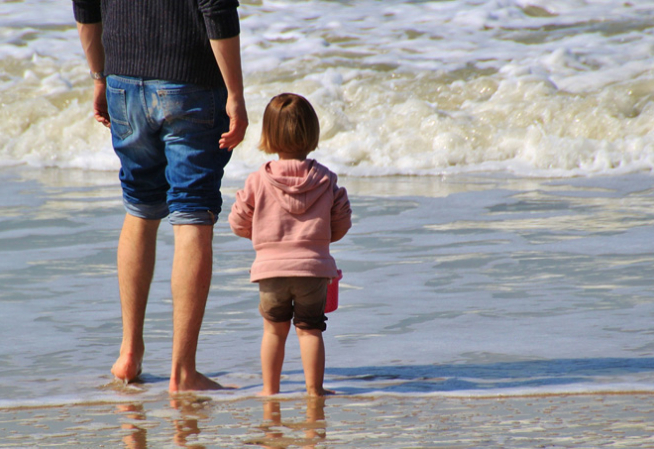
{"points": [[299, 298]]}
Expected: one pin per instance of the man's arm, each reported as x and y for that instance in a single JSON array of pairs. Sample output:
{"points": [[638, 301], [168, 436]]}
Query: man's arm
{"points": [[228, 57], [90, 35]]}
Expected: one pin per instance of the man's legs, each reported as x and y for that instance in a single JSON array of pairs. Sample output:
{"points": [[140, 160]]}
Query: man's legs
{"points": [[136, 257], [170, 166], [190, 281]]}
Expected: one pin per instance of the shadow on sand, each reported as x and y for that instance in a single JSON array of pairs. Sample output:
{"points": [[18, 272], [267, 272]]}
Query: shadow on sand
{"points": [[479, 377]]}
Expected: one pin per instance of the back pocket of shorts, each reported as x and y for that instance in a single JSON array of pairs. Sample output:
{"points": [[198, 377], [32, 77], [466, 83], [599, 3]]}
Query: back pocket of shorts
{"points": [[190, 104], [117, 105]]}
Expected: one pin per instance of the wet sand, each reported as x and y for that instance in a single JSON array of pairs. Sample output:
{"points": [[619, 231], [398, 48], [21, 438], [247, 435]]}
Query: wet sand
{"points": [[554, 421]]}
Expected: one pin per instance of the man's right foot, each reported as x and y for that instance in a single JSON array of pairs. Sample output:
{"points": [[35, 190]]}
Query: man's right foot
{"points": [[196, 382]]}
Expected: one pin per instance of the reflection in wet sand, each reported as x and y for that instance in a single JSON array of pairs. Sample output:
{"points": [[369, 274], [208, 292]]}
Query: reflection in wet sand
{"points": [[192, 410], [137, 436], [287, 432]]}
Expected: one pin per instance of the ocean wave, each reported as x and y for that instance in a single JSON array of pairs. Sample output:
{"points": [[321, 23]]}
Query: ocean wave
{"points": [[543, 89]]}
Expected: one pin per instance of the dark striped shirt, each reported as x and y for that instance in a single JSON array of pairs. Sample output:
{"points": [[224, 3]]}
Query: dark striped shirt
{"points": [[162, 39]]}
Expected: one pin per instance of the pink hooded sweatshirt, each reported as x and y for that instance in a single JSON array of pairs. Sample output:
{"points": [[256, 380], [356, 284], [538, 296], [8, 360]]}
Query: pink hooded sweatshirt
{"points": [[291, 210]]}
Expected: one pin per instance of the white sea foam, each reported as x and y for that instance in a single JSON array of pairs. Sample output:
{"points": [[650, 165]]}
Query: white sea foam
{"points": [[533, 87]]}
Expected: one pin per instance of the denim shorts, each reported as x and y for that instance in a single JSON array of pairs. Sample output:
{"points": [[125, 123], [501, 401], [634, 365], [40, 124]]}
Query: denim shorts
{"points": [[166, 135], [300, 298]]}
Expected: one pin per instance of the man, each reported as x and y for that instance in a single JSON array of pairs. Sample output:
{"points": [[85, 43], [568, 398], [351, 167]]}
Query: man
{"points": [[168, 81]]}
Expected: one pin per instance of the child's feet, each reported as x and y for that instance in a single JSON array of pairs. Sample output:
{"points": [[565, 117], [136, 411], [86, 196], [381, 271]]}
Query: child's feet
{"points": [[265, 393], [320, 392]]}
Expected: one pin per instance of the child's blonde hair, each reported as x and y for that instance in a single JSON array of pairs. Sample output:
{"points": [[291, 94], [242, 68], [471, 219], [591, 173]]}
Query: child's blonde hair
{"points": [[290, 126]]}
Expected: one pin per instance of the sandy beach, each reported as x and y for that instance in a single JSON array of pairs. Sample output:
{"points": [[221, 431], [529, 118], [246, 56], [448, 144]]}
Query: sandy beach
{"points": [[552, 421]]}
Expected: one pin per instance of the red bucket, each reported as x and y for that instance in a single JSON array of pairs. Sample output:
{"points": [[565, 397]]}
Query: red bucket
{"points": [[332, 293]]}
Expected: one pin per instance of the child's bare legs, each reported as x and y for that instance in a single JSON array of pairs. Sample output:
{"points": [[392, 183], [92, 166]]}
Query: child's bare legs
{"points": [[272, 354], [312, 349]]}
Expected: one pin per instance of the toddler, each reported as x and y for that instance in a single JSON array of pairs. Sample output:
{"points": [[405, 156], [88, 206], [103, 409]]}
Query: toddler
{"points": [[292, 210]]}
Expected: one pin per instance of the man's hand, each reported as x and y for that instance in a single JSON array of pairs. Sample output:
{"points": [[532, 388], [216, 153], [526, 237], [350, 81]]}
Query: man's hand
{"points": [[90, 35], [238, 123], [228, 57], [100, 110]]}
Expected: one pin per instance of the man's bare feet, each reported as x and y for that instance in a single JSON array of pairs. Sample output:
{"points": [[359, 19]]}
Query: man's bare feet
{"points": [[128, 367], [196, 382]]}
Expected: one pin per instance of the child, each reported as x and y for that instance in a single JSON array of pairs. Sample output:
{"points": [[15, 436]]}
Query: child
{"points": [[292, 209]]}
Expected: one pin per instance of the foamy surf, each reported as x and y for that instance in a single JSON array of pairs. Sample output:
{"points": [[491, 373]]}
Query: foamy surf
{"points": [[539, 89]]}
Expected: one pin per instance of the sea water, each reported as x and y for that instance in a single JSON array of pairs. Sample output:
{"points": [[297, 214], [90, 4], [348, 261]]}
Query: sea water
{"points": [[498, 155], [532, 87]]}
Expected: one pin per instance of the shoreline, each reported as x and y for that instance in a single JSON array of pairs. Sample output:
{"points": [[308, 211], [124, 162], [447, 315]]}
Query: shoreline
{"points": [[215, 396], [561, 420]]}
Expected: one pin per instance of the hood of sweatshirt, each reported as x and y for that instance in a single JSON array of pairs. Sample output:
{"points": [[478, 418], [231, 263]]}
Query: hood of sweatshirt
{"points": [[295, 185]]}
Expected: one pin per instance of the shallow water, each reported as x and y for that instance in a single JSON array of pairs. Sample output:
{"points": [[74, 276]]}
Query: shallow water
{"points": [[466, 285], [473, 313]]}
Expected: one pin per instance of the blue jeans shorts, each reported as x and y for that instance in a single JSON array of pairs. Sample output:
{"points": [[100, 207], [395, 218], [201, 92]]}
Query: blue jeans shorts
{"points": [[166, 135]]}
